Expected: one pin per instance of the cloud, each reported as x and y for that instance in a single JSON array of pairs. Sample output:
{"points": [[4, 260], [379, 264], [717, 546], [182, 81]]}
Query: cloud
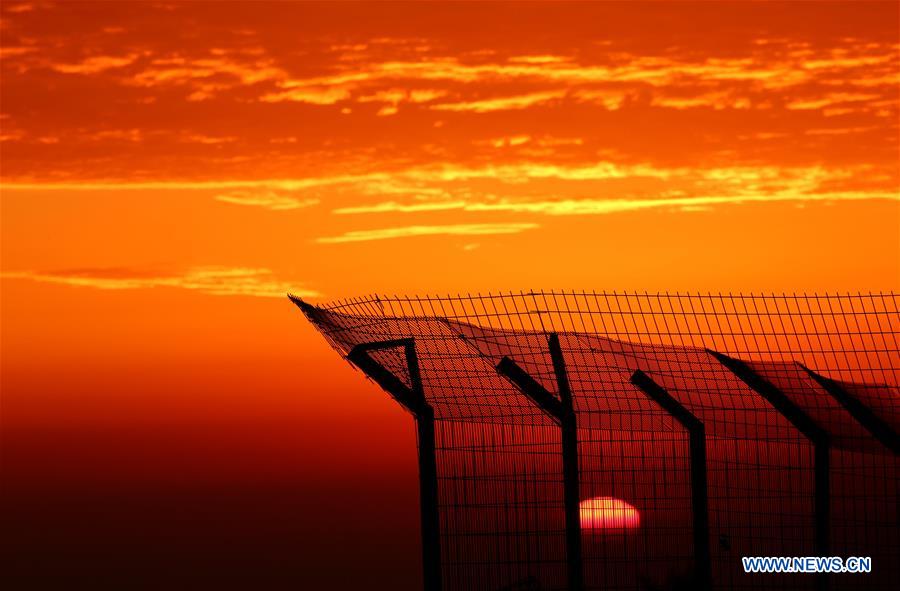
{"points": [[287, 184], [715, 100], [451, 186], [504, 141], [14, 50], [701, 203], [394, 207], [538, 59], [20, 7], [220, 281], [208, 139], [412, 231], [561, 207], [840, 130], [392, 98], [769, 68], [96, 64], [129, 135], [409, 72], [419, 71], [319, 95], [425, 95], [831, 99], [273, 200], [502, 104], [208, 76], [13, 135], [610, 99], [511, 141], [516, 173]]}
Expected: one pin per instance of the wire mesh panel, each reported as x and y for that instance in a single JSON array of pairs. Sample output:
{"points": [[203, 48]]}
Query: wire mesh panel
{"points": [[633, 461], [501, 506], [499, 475], [705, 427]]}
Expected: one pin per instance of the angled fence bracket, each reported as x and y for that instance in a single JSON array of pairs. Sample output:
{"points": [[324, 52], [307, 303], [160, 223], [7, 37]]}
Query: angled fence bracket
{"points": [[413, 399], [815, 434], [871, 422], [562, 411], [699, 498]]}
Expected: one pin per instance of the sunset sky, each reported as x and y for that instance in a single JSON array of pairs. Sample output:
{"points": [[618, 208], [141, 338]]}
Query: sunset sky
{"points": [[169, 170]]}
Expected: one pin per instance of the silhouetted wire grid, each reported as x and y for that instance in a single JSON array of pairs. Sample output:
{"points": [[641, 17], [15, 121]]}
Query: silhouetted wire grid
{"points": [[575, 440]]}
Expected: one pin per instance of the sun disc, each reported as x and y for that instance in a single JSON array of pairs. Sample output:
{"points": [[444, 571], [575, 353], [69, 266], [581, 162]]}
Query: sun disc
{"points": [[608, 513]]}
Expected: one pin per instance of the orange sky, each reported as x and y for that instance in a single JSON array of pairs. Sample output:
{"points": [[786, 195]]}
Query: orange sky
{"points": [[170, 170]]}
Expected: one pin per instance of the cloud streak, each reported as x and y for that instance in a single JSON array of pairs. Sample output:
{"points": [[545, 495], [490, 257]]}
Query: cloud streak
{"points": [[274, 200], [506, 103], [207, 76], [385, 73], [562, 207], [218, 281], [434, 185], [752, 80], [414, 231], [96, 64]]}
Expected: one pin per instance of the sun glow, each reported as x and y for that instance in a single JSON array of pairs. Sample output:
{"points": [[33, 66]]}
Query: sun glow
{"points": [[608, 513]]}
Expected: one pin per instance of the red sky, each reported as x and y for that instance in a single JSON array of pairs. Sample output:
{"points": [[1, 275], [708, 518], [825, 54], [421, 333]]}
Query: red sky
{"points": [[170, 170]]}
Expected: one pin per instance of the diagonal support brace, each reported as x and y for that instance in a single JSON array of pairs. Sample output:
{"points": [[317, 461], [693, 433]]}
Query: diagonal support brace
{"points": [[562, 412], [699, 495], [413, 399], [871, 422], [815, 434]]}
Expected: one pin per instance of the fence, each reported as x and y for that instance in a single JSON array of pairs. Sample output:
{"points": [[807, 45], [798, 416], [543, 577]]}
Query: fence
{"points": [[635, 441]]}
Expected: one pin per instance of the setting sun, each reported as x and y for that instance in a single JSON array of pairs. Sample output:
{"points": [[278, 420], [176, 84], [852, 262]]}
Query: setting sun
{"points": [[608, 513]]}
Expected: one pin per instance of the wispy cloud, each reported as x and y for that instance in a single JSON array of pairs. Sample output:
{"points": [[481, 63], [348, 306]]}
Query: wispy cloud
{"points": [[418, 71], [560, 207], [716, 100], [504, 141], [555, 77], [505, 103], [435, 183], [129, 135], [831, 99], [287, 184], [275, 200], [376, 80], [15, 50], [207, 140], [96, 64], [412, 231], [20, 7], [315, 95], [220, 281], [395, 207], [208, 76]]}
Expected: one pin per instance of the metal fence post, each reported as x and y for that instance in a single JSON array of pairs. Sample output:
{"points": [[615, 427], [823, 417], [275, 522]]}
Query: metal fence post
{"points": [[562, 411], [699, 495], [815, 434], [413, 399]]}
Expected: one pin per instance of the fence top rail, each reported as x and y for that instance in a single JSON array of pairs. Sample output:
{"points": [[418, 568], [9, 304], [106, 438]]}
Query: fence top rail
{"points": [[600, 301], [460, 343], [852, 337]]}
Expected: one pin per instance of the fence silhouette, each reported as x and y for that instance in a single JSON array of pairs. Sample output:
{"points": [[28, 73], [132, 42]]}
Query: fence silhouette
{"points": [[641, 441]]}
